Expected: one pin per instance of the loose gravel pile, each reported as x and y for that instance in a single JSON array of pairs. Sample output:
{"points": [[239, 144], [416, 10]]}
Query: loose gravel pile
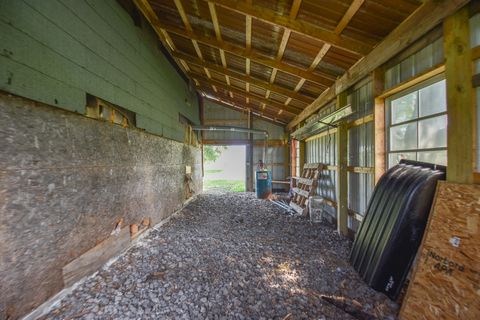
{"points": [[230, 256]]}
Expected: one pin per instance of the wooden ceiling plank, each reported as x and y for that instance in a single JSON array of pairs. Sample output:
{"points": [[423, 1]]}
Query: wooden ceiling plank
{"points": [[268, 110], [247, 96], [218, 34], [243, 77], [299, 85], [216, 25], [229, 105], [183, 15], [250, 95], [323, 51], [320, 78], [283, 44], [248, 32], [302, 27], [347, 17], [188, 26], [295, 8], [146, 9], [351, 11], [430, 14]]}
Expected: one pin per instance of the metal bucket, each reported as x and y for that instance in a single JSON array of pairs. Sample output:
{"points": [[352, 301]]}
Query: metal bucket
{"points": [[263, 183]]}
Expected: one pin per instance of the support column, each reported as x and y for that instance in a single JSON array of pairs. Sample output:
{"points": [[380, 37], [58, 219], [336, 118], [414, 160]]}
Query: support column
{"points": [[249, 153], [460, 108], [379, 116], [342, 175], [301, 146]]}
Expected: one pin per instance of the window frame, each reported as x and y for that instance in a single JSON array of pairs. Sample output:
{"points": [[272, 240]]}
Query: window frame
{"points": [[388, 118]]}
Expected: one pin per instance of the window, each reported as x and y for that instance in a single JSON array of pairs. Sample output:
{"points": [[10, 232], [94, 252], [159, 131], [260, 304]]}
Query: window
{"points": [[417, 124]]}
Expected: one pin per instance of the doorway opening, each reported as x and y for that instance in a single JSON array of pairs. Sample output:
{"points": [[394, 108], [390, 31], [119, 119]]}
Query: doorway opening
{"points": [[224, 168]]}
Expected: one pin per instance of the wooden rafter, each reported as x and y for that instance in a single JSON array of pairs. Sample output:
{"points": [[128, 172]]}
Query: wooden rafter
{"points": [[241, 104], [188, 27], [425, 18], [248, 47], [218, 34], [305, 28], [320, 78], [351, 11], [147, 10], [283, 44], [238, 91], [151, 17], [240, 107], [241, 96], [231, 73]]}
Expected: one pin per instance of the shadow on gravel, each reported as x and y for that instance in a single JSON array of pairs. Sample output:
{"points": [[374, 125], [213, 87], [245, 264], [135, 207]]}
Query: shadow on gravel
{"points": [[230, 256]]}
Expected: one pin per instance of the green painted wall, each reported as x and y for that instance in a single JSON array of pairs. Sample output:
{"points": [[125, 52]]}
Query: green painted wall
{"points": [[55, 51]]}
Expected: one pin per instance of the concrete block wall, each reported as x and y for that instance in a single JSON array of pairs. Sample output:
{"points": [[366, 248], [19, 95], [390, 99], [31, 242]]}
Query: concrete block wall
{"points": [[65, 182]]}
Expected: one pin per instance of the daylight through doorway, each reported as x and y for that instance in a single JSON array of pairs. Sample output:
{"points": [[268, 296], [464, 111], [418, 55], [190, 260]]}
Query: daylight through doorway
{"points": [[225, 168]]}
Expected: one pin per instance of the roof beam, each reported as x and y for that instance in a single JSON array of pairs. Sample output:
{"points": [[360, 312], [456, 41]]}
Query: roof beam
{"points": [[188, 26], [283, 44], [236, 105], [351, 11], [218, 34], [269, 102], [302, 27], [146, 9], [322, 78], [425, 18], [243, 77], [242, 95]]}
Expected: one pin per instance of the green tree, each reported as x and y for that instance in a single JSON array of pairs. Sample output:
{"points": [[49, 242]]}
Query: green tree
{"points": [[212, 153]]}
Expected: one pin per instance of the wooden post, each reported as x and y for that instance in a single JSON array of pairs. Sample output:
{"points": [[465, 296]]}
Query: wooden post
{"points": [[250, 164], [379, 116], [301, 145], [342, 175], [201, 107], [286, 155], [460, 109]]}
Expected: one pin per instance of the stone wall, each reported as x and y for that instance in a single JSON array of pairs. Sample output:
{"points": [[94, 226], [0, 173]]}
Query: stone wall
{"points": [[65, 182]]}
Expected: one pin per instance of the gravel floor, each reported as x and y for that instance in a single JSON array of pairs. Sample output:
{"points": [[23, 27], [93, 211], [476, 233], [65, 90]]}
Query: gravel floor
{"points": [[230, 256]]}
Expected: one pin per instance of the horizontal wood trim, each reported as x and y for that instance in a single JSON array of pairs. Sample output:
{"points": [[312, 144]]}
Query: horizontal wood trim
{"points": [[361, 169], [271, 143], [360, 46], [476, 177], [321, 134], [409, 83], [359, 122], [476, 80], [281, 182], [303, 193], [305, 181], [357, 216], [224, 121], [475, 53]]}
